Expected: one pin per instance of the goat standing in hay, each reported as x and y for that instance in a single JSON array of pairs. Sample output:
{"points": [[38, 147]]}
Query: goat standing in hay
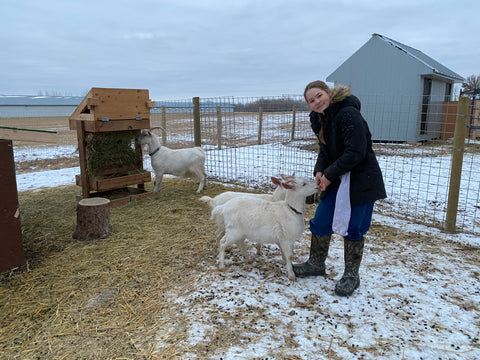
{"points": [[187, 163], [263, 221], [277, 195]]}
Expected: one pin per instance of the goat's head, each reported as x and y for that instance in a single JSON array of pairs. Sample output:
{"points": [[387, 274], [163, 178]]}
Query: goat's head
{"points": [[144, 137], [300, 184]]}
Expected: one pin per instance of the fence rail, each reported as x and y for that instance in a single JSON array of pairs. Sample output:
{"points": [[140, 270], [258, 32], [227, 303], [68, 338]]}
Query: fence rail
{"points": [[250, 139]]}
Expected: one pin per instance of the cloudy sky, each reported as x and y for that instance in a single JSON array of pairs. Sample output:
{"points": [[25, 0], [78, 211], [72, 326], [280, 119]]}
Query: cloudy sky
{"points": [[183, 48]]}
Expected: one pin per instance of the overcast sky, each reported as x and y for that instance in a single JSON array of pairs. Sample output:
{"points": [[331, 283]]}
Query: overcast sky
{"points": [[183, 48]]}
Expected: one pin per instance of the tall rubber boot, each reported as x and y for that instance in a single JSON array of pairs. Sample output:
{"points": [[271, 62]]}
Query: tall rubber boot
{"points": [[315, 265], [353, 253]]}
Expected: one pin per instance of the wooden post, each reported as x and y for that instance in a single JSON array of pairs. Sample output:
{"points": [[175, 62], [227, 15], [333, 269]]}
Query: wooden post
{"points": [[456, 169], [11, 244], [260, 122], [219, 127], [93, 219], [294, 114], [83, 159], [196, 122], [164, 125]]}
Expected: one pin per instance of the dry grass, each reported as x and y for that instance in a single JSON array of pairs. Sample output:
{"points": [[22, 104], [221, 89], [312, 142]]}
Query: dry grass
{"points": [[100, 299]]}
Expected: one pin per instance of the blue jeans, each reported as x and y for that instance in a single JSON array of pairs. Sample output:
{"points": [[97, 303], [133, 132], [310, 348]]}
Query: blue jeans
{"points": [[360, 219]]}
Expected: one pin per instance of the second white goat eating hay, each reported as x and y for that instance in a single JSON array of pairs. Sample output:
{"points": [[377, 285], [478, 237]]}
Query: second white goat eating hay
{"points": [[263, 221], [188, 163]]}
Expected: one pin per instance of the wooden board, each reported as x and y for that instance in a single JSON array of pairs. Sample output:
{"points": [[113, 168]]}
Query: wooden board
{"points": [[101, 104], [9, 133], [116, 125], [117, 182], [123, 196]]}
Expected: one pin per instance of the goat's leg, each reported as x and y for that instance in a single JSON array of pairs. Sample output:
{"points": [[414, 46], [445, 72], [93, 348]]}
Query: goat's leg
{"points": [[219, 234], [243, 250], [287, 254], [220, 231], [259, 248], [204, 177], [158, 182], [227, 240], [201, 177], [221, 253]]}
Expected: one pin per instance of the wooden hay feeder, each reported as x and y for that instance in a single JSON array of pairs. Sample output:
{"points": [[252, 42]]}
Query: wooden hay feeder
{"points": [[107, 122]]}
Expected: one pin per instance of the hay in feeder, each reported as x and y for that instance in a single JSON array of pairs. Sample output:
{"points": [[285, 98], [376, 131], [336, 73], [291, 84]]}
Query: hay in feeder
{"points": [[112, 154]]}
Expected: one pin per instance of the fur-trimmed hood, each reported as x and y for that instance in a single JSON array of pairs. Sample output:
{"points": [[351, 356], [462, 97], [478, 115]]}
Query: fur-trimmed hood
{"points": [[339, 92]]}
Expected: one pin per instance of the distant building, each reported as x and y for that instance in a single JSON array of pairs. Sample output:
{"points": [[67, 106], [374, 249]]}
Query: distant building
{"points": [[19, 106], [401, 89]]}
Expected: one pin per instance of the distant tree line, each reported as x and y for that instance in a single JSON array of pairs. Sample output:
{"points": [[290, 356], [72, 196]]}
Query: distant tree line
{"points": [[273, 105], [471, 83]]}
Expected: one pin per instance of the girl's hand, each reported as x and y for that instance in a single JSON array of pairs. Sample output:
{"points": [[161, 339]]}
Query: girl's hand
{"points": [[324, 183]]}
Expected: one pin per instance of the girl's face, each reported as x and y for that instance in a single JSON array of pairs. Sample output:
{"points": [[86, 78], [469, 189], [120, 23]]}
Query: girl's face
{"points": [[318, 99]]}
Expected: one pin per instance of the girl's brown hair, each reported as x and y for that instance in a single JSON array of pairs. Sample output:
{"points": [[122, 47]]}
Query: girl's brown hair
{"points": [[337, 93]]}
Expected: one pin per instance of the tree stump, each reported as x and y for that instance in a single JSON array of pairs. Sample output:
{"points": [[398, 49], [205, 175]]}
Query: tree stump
{"points": [[93, 219]]}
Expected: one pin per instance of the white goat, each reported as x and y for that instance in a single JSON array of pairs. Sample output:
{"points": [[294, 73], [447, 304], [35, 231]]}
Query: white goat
{"points": [[277, 195], [188, 163], [263, 221]]}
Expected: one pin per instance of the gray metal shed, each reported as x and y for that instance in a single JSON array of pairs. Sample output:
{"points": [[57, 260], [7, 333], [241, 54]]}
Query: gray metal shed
{"points": [[402, 90]]}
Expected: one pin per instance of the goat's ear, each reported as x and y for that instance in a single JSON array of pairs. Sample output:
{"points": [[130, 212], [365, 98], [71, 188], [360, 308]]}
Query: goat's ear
{"points": [[286, 185], [287, 177], [276, 181]]}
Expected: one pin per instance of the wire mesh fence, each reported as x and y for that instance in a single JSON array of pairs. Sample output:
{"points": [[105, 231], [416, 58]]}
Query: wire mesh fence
{"points": [[247, 140], [250, 139]]}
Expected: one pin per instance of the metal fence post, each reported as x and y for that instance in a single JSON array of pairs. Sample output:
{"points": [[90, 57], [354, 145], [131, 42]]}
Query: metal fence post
{"points": [[197, 135], [219, 127], [294, 114], [456, 169], [164, 125], [260, 121]]}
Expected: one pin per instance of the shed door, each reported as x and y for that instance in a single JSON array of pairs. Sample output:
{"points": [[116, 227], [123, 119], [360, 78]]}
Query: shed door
{"points": [[427, 92]]}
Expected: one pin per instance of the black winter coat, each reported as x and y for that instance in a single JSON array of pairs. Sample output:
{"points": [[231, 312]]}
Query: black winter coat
{"points": [[348, 147]]}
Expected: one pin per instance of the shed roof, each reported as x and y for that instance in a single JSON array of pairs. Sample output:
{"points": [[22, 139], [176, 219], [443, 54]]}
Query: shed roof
{"points": [[434, 65]]}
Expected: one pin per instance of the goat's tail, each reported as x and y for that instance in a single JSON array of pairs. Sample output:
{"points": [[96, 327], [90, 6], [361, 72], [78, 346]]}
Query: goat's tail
{"points": [[217, 213], [205, 199]]}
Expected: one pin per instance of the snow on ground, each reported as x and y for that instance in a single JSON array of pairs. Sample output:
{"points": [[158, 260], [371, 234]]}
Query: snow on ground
{"points": [[419, 299]]}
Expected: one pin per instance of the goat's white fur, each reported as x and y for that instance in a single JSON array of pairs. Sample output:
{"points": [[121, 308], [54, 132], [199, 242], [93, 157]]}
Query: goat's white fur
{"points": [[277, 195], [187, 163], [263, 221]]}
